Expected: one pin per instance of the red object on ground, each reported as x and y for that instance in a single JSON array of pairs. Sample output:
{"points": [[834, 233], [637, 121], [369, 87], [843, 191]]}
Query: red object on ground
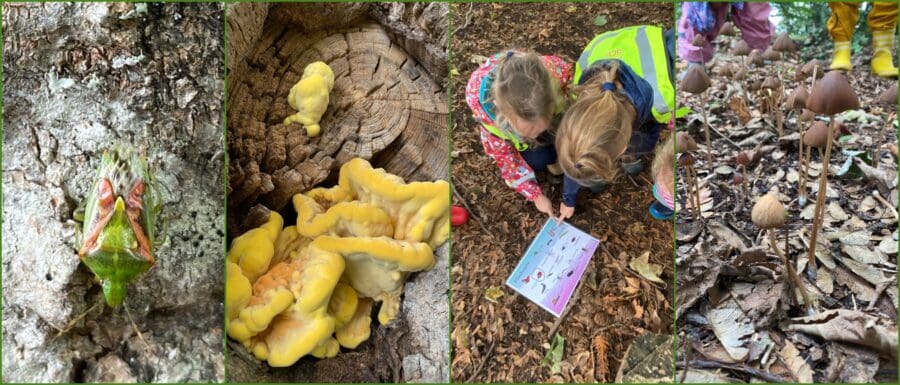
{"points": [[458, 215]]}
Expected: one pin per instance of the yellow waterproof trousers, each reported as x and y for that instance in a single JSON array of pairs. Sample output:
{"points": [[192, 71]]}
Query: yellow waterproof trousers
{"points": [[882, 17]]}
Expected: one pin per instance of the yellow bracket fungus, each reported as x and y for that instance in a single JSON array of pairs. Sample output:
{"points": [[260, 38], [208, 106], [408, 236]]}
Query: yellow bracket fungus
{"points": [[420, 210], [253, 250], [310, 289], [345, 219], [357, 329], [310, 97]]}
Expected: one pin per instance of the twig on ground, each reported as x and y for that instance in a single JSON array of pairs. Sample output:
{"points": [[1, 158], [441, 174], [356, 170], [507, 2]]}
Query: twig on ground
{"points": [[474, 215], [704, 364]]}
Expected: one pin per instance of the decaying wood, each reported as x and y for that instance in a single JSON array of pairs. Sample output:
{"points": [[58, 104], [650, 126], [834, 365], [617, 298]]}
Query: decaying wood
{"points": [[383, 107]]}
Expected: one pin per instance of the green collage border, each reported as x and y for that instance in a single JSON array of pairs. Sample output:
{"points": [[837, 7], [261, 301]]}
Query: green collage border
{"points": [[449, 91]]}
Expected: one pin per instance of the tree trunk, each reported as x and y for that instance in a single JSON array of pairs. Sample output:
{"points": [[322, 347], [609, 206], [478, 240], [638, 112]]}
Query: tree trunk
{"points": [[79, 78]]}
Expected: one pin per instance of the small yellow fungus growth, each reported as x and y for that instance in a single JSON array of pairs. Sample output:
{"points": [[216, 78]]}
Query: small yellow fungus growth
{"points": [[239, 290], [310, 97], [345, 219]]}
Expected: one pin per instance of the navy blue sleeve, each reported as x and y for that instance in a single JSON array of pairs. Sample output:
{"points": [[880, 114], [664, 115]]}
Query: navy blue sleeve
{"points": [[570, 191]]}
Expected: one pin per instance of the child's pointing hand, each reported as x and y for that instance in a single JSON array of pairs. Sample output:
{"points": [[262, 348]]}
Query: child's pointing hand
{"points": [[543, 204], [565, 212]]}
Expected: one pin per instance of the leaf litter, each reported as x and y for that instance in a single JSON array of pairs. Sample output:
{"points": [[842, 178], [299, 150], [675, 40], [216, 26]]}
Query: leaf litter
{"points": [[734, 312]]}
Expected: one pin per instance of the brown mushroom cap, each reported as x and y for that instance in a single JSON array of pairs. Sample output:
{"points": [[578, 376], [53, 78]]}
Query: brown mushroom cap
{"points": [[727, 29], [740, 48], [737, 178], [832, 95], [817, 135], [756, 58], [811, 65], [742, 158], [889, 96], [798, 97], [726, 70], [684, 142], [695, 80], [768, 212], [807, 115], [771, 55], [771, 83], [755, 85], [783, 43], [699, 41], [686, 159], [741, 74]]}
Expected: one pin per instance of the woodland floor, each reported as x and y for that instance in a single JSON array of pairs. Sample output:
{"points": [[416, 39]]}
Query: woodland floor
{"points": [[506, 340], [736, 319]]}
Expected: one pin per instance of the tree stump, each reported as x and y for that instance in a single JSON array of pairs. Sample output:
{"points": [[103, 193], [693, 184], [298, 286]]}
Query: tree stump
{"points": [[385, 107]]}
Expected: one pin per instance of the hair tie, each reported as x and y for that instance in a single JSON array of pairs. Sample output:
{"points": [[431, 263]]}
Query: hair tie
{"points": [[608, 86], [509, 54]]}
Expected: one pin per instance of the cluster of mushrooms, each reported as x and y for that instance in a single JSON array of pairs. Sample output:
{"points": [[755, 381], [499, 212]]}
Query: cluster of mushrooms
{"points": [[310, 288], [829, 94]]}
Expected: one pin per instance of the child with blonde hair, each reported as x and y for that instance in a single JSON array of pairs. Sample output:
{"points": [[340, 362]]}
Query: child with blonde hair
{"points": [[517, 96], [624, 96]]}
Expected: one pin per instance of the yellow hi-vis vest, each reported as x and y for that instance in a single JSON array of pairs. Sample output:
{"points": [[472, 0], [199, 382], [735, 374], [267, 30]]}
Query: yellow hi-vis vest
{"points": [[643, 48]]}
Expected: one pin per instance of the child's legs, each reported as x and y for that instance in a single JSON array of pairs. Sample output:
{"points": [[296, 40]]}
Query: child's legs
{"points": [[538, 158], [883, 17], [843, 20], [686, 32], [753, 20]]}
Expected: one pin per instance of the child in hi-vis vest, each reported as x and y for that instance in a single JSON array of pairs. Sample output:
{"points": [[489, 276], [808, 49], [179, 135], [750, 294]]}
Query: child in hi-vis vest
{"points": [[624, 97], [517, 96]]}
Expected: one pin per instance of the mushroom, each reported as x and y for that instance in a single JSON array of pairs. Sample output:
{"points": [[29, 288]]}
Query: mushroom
{"points": [[768, 213], [741, 74], [687, 161], [740, 48], [684, 142], [830, 96], [888, 99], [725, 70], [756, 58], [807, 115], [699, 41], [727, 29], [696, 82], [783, 44], [770, 55], [797, 99], [815, 136]]}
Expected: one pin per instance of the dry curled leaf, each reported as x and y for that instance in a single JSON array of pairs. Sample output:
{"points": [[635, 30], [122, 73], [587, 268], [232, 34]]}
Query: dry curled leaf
{"points": [[646, 269], [850, 326]]}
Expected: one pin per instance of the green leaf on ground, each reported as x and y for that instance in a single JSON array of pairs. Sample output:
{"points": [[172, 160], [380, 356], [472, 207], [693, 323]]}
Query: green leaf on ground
{"points": [[554, 356]]}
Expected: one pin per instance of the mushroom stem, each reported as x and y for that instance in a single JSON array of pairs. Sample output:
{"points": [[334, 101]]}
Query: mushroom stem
{"points": [[779, 118], [709, 160], [887, 123], [692, 187], [804, 170], [697, 192], [820, 197], [790, 271]]}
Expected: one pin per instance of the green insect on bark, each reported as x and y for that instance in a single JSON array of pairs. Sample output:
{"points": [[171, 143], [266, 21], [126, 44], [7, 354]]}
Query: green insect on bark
{"points": [[117, 243]]}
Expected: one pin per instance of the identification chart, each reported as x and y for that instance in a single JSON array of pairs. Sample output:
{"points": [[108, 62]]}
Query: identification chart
{"points": [[552, 266]]}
